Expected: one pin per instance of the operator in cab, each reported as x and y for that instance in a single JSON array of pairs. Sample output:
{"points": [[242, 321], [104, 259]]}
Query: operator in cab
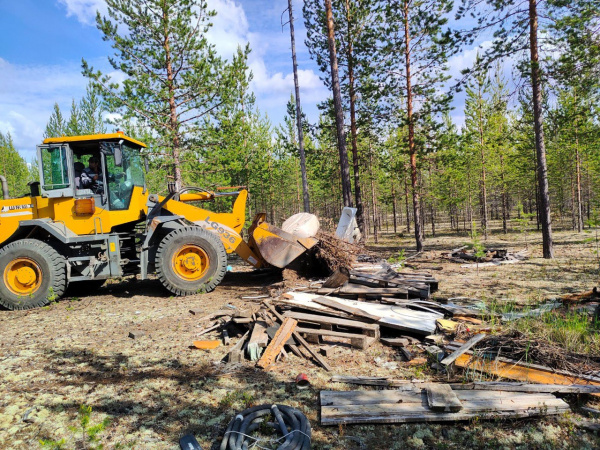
{"points": [[92, 178]]}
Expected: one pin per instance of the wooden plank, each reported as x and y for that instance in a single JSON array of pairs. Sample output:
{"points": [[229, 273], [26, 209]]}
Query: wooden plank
{"points": [[301, 340], [406, 354], [440, 397], [415, 287], [348, 398], [284, 332], [505, 386], [360, 341], [259, 334], [356, 289], [462, 349], [368, 328], [383, 407], [314, 307], [415, 290], [373, 381], [259, 339], [416, 393], [337, 278], [395, 342], [236, 354], [335, 304]]}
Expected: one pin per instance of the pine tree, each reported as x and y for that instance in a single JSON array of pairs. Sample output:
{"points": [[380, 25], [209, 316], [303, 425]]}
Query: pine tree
{"points": [[73, 125], [176, 82], [418, 31], [90, 112], [56, 124], [12, 166]]}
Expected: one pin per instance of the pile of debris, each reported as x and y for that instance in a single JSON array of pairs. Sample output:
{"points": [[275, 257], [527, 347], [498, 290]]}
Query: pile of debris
{"points": [[489, 256], [371, 302], [367, 306]]}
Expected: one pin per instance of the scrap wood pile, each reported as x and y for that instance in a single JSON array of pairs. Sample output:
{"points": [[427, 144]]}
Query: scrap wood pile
{"points": [[513, 356], [381, 285], [489, 256]]}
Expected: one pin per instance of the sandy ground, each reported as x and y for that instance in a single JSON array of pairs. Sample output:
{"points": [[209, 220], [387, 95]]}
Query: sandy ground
{"points": [[157, 387]]}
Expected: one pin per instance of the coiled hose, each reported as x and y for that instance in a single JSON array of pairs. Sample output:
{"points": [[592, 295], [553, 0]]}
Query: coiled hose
{"points": [[291, 423]]}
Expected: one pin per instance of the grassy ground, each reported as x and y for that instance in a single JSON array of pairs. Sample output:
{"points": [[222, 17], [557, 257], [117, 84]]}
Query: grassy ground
{"points": [[155, 388]]}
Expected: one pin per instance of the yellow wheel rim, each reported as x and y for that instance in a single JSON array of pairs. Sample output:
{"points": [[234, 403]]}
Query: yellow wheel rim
{"points": [[23, 276], [190, 262]]}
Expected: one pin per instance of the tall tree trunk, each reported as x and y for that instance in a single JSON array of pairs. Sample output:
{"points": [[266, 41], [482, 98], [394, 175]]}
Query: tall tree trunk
{"points": [[373, 197], [540, 146], [353, 131], [339, 113], [407, 204], [305, 196], [503, 199], [394, 209], [173, 118], [484, 207], [578, 174], [411, 133]]}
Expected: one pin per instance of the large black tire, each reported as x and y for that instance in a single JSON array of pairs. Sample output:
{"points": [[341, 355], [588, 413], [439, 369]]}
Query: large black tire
{"points": [[52, 279], [212, 250]]}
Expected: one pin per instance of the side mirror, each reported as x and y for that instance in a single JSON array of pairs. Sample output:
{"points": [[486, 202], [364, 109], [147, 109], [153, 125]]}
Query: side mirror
{"points": [[118, 155], [146, 164]]}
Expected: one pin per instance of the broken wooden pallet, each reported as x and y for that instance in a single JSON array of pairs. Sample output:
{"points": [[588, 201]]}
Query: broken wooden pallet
{"points": [[410, 404], [327, 323], [390, 316]]}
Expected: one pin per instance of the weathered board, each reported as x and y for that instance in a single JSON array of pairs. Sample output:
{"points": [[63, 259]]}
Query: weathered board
{"points": [[368, 329], [276, 346], [404, 406]]}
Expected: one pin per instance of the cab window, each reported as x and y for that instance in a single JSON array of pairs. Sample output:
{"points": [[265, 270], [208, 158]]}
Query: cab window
{"points": [[122, 179], [54, 168]]}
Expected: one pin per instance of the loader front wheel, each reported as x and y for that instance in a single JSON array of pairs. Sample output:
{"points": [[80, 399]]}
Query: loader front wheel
{"points": [[33, 274], [190, 260]]}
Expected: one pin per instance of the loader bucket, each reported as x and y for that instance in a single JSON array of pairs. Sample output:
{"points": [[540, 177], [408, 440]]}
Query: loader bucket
{"points": [[275, 246]]}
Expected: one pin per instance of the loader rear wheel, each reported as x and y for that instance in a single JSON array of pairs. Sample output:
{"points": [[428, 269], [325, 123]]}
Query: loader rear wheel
{"points": [[33, 274], [190, 260]]}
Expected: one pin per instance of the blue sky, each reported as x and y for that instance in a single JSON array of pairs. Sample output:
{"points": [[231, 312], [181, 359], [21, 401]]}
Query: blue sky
{"points": [[41, 62]]}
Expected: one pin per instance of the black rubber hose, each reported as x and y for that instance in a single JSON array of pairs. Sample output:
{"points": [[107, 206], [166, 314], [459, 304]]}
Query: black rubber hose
{"points": [[288, 421]]}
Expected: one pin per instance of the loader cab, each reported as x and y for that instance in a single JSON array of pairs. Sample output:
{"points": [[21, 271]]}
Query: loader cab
{"points": [[104, 167]]}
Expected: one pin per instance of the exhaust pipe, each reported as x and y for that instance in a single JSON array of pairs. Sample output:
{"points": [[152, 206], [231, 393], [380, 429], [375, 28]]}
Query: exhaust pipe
{"points": [[4, 188]]}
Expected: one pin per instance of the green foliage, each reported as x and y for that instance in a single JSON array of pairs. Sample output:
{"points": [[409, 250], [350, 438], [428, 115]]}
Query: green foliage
{"points": [[13, 167], [399, 258], [245, 399], [53, 445], [86, 435], [522, 221], [89, 434]]}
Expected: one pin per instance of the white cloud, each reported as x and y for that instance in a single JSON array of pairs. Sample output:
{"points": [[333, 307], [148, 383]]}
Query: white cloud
{"points": [[84, 10], [272, 88], [28, 95]]}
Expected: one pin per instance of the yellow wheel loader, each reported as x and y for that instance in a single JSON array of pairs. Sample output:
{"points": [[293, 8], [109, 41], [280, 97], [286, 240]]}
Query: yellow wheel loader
{"points": [[91, 218]]}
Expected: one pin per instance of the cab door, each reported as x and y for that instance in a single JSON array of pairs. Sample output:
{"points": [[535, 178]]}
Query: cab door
{"points": [[56, 170]]}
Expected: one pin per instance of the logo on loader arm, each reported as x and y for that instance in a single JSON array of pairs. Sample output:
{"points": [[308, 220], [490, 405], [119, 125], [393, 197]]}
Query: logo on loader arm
{"points": [[228, 236]]}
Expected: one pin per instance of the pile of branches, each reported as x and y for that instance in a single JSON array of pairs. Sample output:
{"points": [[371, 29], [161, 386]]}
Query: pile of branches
{"points": [[334, 253], [519, 347]]}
